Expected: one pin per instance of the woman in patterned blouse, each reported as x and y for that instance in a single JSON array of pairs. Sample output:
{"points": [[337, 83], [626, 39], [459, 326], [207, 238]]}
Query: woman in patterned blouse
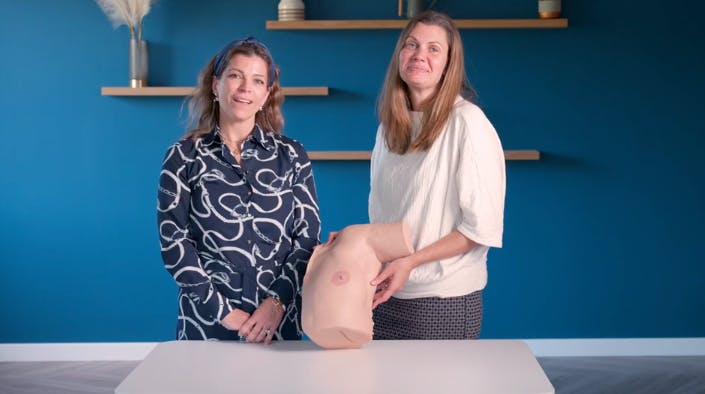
{"points": [[237, 208]]}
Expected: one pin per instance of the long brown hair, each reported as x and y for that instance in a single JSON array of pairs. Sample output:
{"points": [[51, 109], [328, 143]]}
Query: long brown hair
{"points": [[204, 113], [394, 105]]}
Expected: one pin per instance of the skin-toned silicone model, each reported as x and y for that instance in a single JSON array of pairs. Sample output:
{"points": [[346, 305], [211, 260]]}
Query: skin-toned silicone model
{"points": [[337, 295]]}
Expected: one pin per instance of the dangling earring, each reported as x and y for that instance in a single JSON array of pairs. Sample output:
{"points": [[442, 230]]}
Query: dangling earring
{"points": [[215, 99], [261, 108]]}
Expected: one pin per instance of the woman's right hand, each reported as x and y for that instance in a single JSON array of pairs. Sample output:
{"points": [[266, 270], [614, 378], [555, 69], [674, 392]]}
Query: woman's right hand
{"points": [[391, 279], [234, 319]]}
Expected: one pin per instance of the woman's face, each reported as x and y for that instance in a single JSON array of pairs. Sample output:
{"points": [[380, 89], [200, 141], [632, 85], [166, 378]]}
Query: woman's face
{"points": [[423, 59], [242, 88]]}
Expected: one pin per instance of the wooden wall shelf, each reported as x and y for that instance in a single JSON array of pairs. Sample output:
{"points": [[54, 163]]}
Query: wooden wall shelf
{"points": [[188, 90], [365, 155], [362, 24]]}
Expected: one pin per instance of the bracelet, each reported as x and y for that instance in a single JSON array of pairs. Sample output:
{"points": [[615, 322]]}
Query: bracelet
{"points": [[277, 302]]}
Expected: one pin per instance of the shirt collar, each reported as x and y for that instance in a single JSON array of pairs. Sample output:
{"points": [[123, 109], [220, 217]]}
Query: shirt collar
{"points": [[265, 139], [259, 136]]}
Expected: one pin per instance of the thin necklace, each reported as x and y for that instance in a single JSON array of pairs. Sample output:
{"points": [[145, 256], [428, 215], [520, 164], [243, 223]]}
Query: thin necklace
{"points": [[232, 144]]}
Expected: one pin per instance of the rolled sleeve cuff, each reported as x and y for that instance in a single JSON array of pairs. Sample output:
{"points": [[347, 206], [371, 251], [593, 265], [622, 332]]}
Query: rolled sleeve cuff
{"points": [[491, 238]]}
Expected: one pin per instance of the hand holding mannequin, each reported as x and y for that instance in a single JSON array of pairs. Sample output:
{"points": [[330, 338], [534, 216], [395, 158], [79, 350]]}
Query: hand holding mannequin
{"points": [[391, 279], [337, 295]]}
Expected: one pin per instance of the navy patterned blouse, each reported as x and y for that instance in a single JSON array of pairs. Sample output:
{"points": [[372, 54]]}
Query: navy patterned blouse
{"points": [[232, 235]]}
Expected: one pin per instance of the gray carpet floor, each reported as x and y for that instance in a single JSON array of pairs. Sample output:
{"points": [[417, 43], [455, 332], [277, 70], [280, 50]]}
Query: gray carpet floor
{"points": [[567, 374]]}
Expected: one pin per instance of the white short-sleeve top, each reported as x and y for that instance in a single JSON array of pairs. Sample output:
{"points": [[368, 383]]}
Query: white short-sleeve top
{"points": [[458, 184]]}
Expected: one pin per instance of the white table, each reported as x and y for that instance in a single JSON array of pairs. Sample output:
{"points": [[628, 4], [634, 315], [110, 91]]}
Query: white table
{"points": [[301, 367]]}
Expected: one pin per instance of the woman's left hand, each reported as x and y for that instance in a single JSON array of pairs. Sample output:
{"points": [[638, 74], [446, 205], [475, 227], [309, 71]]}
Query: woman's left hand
{"points": [[391, 279], [260, 327]]}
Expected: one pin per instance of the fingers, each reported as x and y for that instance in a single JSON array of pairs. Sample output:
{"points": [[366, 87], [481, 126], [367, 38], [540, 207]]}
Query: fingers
{"points": [[235, 319], [381, 296], [387, 287], [384, 290], [262, 334], [247, 327], [381, 277], [261, 326], [257, 332], [268, 337]]}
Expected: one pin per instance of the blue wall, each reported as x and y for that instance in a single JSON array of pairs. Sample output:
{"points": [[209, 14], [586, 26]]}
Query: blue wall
{"points": [[602, 235]]}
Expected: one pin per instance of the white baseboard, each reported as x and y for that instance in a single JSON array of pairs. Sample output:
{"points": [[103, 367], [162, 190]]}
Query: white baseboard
{"points": [[131, 351], [617, 347], [109, 351]]}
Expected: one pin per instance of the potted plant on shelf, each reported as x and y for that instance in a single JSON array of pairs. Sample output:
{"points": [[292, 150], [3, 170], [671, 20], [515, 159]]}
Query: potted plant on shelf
{"points": [[131, 13]]}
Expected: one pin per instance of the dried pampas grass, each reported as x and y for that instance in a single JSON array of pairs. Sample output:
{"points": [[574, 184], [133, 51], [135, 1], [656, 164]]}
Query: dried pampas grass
{"points": [[126, 12]]}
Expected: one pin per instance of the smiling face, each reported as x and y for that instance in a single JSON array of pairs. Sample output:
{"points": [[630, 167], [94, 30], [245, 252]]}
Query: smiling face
{"points": [[422, 60], [242, 88]]}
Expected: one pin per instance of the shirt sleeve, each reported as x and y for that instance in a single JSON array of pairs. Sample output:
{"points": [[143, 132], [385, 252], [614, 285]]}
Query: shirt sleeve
{"points": [[372, 204], [481, 180], [305, 234], [178, 249]]}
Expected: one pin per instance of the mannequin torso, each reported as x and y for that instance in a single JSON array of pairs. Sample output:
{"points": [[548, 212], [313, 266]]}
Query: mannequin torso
{"points": [[337, 295]]}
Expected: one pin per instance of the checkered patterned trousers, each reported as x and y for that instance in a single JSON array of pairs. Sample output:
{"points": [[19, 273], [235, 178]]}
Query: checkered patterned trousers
{"points": [[429, 318]]}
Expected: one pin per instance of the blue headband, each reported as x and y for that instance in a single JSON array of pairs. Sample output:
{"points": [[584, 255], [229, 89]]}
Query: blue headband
{"points": [[246, 42]]}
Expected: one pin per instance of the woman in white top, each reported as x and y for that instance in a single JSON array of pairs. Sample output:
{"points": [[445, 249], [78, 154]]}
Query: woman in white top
{"points": [[438, 165]]}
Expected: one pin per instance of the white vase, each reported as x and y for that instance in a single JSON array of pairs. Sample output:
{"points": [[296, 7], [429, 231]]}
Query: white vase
{"points": [[291, 10], [549, 9]]}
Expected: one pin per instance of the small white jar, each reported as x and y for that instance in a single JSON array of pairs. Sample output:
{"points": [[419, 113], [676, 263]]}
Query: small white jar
{"points": [[549, 9], [291, 10]]}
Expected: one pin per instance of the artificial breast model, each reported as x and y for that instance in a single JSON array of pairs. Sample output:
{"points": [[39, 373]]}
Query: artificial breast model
{"points": [[337, 295]]}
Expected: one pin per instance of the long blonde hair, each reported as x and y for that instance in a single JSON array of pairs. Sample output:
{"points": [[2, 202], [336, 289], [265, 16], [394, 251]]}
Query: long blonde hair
{"points": [[204, 112], [394, 105]]}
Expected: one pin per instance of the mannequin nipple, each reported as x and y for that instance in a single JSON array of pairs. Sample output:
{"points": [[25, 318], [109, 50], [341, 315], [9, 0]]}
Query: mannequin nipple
{"points": [[340, 278]]}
